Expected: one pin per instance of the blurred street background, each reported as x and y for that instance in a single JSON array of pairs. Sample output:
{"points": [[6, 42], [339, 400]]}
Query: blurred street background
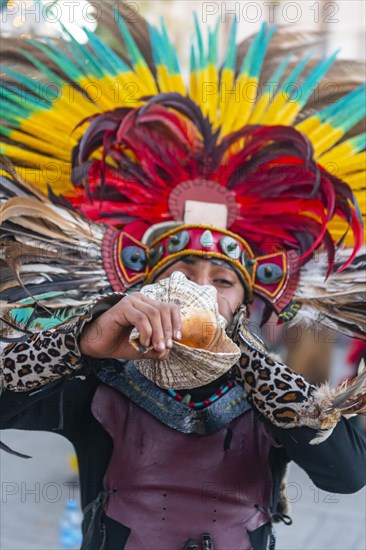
{"points": [[34, 491]]}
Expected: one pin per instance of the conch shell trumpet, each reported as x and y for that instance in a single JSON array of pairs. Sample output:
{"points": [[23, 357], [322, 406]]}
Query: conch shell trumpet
{"points": [[205, 352]]}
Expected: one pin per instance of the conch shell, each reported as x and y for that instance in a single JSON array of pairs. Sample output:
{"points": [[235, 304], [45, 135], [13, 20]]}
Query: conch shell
{"points": [[205, 352]]}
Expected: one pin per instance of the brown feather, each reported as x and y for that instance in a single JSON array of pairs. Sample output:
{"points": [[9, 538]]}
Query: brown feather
{"points": [[48, 220]]}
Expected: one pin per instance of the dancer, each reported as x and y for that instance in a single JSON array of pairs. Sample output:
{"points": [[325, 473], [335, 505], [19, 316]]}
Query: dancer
{"points": [[186, 187]]}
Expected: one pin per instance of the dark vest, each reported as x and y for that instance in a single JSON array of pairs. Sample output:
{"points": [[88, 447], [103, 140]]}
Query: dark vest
{"points": [[170, 486]]}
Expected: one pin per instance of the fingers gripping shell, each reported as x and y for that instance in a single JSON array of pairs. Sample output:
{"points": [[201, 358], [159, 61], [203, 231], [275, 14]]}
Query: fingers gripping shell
{"points": [[205, 352]]}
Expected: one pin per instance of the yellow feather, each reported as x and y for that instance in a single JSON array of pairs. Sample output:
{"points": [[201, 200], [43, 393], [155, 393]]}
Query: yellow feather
{"points": [[337, 228], [162, 75], [259, 109], [127, 88], [324, 138], [41, 170], [58, 119], [76, 102], [100, 91], [288, 113], [41, 145], [202, 79], [226, 90], [336, 154], [356, 180], [40, 179], [235, 104], [357, 163], [248, 93], [308, 125], [176, 84], [212, 93], [36, 124], [146, 78], [271, 116], [24, 155], [193, 89]]}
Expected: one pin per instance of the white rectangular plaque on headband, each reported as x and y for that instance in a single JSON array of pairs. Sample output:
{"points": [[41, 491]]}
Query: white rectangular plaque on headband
{"points": [[205, 213]]}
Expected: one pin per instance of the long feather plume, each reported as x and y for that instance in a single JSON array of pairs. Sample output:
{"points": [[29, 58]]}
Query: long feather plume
{"points": [[339, 301], [50, 260]]}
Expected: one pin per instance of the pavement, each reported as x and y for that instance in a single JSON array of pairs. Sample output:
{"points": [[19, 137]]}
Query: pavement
{"points": [[34, 492]]}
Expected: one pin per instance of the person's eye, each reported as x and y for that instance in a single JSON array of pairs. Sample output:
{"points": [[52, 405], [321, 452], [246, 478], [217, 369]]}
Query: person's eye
{"points": [[224, 282]]}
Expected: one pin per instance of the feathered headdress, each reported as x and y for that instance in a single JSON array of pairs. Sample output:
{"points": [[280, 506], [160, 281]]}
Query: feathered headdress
{"points": [[142, 169]]}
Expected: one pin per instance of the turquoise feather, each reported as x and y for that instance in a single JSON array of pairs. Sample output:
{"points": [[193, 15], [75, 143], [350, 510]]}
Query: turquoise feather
{"points": [[193, 61], [259, 55], [82, 57], [132, 49], [29, 83], [172, 60], [315, 76], [14, 107], [338, 106], [278, 73], [26, 318], [295, 74], [248, 59], [28, 98], [358, 143], [202, 61], [212, 45], [51, 75], [155, 45], [347, 118], [110, 60], [60, 59], [232, 49]]}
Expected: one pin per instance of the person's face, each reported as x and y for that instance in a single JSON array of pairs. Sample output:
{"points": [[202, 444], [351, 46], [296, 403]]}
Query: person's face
{"points": [[230, 291]]}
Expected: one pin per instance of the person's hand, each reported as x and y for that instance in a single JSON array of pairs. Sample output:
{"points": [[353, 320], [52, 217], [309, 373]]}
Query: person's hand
{"points": [[206, 543], [158, 323]]}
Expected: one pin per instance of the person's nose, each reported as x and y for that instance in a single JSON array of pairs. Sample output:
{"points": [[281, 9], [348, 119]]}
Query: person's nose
{"points": [[201, 277]]}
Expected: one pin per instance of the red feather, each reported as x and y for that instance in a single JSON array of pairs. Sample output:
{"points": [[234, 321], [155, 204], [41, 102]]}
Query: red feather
{"points": [[285, 199]]}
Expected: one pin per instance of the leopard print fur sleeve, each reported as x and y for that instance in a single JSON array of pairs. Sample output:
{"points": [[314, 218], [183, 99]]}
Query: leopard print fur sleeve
{"points": [[48, 355], [285, 398], [273, 388]]}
